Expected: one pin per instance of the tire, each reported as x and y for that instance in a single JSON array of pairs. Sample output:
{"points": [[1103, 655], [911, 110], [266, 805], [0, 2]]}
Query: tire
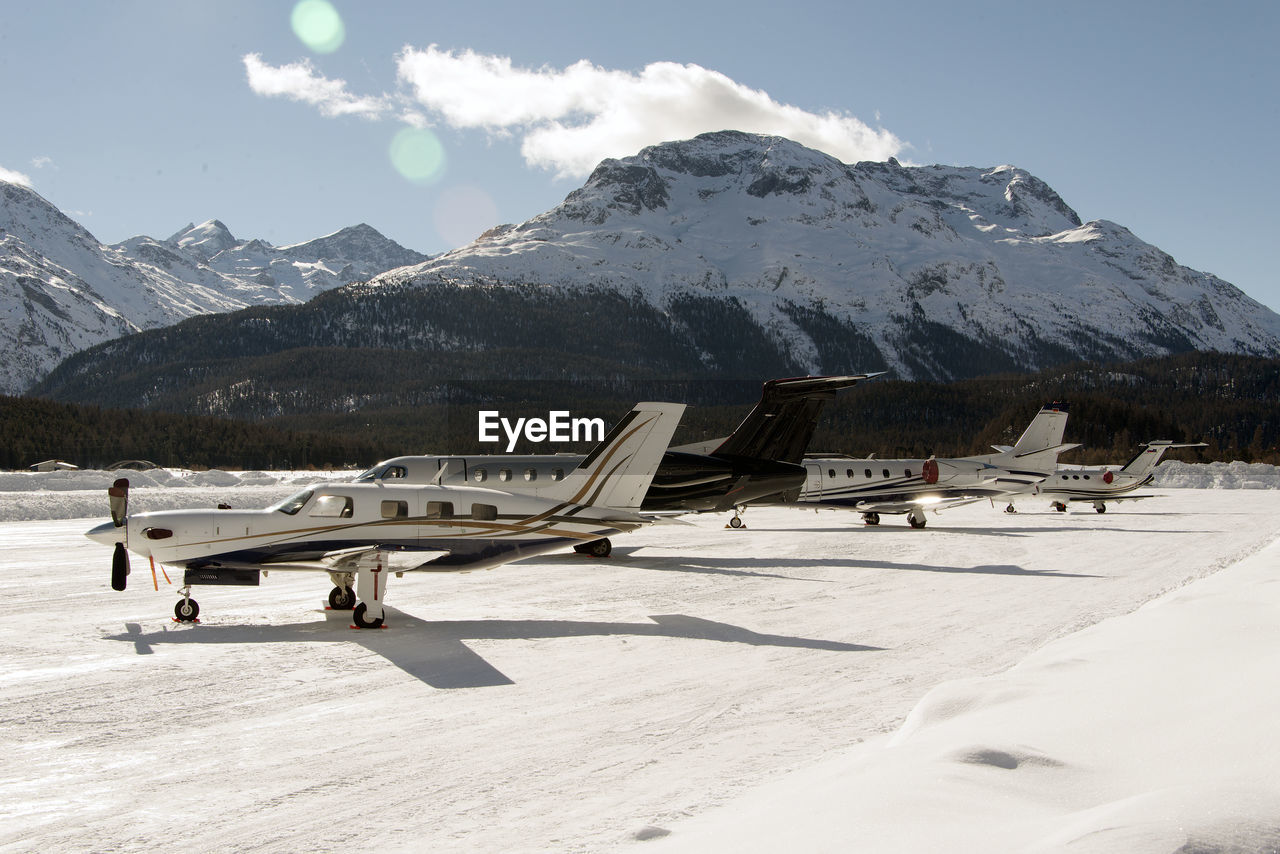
{"points": [[735, 522], [1101, 508], [342, 599], [914, 522], [600, 548], [871, 518], [186, 610], [358, 617]]}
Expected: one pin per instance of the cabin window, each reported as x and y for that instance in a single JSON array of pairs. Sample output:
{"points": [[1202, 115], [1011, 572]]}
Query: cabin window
{"points": [[906, 472], [484, 512], [439, 509], [504, 475], [333, 507], [1086, 477], [395, 509], [848, 473], [479, 475], [557, 474], [886, 472], [530, 474], [291, 505], [868, 472]]}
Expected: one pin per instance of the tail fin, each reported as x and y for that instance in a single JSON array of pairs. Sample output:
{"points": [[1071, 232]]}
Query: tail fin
{"points": [[1044, 432], [618, 471], [1038, 447], [782, 422], [1147, 458]]}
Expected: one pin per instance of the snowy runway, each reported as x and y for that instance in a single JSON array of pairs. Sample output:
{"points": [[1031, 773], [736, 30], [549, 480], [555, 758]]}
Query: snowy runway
{"points": [[562, 703]]}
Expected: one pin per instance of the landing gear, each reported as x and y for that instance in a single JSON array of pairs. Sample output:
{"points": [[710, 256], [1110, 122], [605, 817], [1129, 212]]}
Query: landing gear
{"points": [[915, 518], [186, 609], [360, 617], [871, 518], [736, 521], [1011, 508], [1100, 507], [342, 598], [1059, 506], [595, 548]]}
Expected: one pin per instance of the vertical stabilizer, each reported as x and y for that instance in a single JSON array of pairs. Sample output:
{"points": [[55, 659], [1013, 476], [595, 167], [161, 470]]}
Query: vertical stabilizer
{"points": [[1044, 432], [1150, 455], [618, 471]]}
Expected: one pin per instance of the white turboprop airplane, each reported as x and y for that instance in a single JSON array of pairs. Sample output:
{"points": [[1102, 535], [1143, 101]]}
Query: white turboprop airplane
{"points": [[354, 530], [1100, 484], [871, 486]]}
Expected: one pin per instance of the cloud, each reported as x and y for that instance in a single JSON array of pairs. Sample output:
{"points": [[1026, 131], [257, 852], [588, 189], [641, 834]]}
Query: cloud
{"points": [[573, 118], [14, 177], [299, 81], [570, 119]]}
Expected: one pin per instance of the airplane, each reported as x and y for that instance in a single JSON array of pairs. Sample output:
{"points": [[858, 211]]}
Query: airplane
{"points": [[361, 532], [760, 458], [1100, 484], [873, 486]]}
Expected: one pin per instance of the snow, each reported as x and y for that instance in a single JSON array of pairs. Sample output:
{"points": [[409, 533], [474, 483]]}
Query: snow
{"points": [[1039, 681]]}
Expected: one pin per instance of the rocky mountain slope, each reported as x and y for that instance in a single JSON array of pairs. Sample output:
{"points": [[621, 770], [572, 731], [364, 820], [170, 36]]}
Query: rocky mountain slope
{"points": [[62, 291]]}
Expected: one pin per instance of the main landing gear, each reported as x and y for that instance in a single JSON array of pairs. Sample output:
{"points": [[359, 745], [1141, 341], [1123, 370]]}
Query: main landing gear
{"points": [[595, 548], [1011, 508], [1060, 506], [916, 519], [342, 597], [871, 518], [736, 522], [1100, 506]]}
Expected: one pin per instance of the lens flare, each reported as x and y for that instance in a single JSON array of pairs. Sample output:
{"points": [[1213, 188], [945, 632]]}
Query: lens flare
{"points": [[318, 25], [417, 154]]}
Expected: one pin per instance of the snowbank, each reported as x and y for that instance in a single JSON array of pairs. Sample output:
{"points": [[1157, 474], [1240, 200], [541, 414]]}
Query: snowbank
{"points": [[1237, 475], [31, 496], [1151, 732]]}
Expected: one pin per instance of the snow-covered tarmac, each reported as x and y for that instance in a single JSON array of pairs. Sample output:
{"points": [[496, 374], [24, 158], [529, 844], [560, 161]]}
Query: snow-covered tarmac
{"points": [[702, 689]]}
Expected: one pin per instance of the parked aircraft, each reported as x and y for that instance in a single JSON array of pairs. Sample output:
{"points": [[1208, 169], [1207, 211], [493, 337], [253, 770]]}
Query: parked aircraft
{"points": [[873, 486], [361, 532], [1100, 484], [760, 458]]}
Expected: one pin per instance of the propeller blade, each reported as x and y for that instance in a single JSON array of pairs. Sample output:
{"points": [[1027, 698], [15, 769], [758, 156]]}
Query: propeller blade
{"points": [[119, 567], [118, 500]]}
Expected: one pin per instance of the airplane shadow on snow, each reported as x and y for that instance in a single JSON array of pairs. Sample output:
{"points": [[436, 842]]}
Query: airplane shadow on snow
{"points": [[434, 651], [734, 566]]}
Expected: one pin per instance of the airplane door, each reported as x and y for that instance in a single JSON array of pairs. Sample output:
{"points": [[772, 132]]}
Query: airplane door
{"points": [[812, 483], [454, 470]]}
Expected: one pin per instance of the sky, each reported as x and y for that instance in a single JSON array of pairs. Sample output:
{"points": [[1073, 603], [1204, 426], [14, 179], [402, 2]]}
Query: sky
{"points": [[432, 122]]}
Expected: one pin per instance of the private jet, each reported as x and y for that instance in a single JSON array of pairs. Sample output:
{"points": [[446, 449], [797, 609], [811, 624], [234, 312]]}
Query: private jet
{"points": [[1100, 484], [362, 532], [874, 486]]}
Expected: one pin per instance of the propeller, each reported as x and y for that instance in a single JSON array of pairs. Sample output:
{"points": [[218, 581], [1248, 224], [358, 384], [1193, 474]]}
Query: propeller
{"points": [[118, 500]]}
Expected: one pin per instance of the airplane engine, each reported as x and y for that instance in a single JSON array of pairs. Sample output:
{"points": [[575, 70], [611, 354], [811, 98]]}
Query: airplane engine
{"points": [[1108, 477], [929, 471]]}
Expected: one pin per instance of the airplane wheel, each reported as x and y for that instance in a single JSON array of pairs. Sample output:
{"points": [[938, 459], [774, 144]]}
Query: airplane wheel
{"points": [[358, 617], [1060, 507], [342, 599], [1101, 508], [915, 522], [735, 522], [871, 518], [186, 610], [600, 548]]}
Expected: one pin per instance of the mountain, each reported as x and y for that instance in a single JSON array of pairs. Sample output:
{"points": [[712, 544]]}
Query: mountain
{"points": [[943, 271], [729, 256], [62, 291]]}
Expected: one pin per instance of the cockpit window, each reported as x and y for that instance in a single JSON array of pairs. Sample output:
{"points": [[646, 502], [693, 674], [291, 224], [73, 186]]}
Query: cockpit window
{"points": [[381, 472], [337, 506], [293, 503]]}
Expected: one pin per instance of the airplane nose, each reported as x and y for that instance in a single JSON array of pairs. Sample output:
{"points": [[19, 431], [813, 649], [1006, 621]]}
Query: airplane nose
{"points": [[107, 533]]}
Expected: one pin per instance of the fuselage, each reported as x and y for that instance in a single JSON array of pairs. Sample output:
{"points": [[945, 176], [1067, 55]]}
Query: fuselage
{"points": [[863, 483], [332, 517], [1090, 483]]}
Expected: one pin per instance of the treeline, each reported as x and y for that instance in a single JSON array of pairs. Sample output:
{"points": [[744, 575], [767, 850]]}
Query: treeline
{"points": [[1231, 402]]}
